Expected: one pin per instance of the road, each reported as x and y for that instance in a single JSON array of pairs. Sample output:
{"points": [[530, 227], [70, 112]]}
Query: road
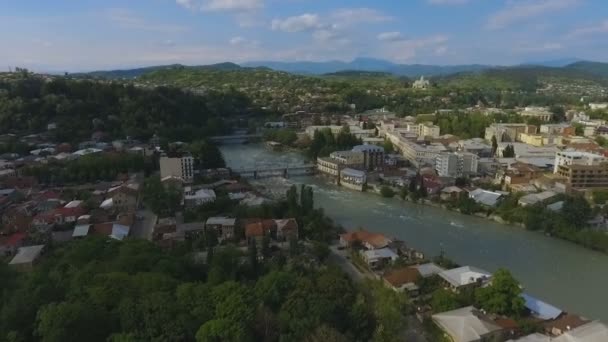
{"points": [[142, 229], [338, 257], [414, 331]]}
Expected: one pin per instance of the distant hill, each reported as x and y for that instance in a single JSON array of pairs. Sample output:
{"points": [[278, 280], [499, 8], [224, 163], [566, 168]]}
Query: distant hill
{"points": [[554, 63], [594, 68], [523, 77], [133, 73], [359, 73], [367, 64]]}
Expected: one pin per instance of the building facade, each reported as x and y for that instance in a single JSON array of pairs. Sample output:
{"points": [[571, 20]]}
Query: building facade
{"points": [[566, 158], [373, 156], [353, 179], [177, 166], [579, 177], [328, 166], [456, 164]]}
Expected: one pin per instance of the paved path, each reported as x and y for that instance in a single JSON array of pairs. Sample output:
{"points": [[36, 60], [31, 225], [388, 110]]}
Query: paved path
{"points": [[338, 257], [143, 228]]}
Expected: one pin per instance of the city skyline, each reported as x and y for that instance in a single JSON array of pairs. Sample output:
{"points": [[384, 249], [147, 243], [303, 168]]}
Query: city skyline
{"points": [[89, 35]]}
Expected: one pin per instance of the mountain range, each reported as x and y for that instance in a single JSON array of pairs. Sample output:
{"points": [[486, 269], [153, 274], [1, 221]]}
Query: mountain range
{"points": [[364, 65]]}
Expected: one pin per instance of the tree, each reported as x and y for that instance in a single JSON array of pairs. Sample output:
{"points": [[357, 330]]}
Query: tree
{"points": [[502, 296], [72, 321], [444, 300], [326, 334], [208, 155], [387, 192], [576, 211], [320, 250], [494, 145], [508, 152]]}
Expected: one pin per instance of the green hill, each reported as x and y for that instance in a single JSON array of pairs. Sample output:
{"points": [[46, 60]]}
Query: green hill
{"points": [[527, 78], [594, 68]]}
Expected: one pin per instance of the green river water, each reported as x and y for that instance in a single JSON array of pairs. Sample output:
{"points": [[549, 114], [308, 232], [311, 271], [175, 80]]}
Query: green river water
{"points": [[566, 275]]}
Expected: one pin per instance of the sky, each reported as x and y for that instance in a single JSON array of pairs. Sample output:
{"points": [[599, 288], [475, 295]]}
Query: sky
{"points": [[81, 35]]}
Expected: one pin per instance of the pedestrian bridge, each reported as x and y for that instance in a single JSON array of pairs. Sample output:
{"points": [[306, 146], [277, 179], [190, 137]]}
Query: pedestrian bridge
{"points": [[235, 138], [285, 171]]}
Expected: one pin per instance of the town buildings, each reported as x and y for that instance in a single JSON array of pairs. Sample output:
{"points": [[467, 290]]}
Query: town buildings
{"points": [[541, 113], [178, 166], [566, 158], [373, 156], [508, 132], [456, 164]]}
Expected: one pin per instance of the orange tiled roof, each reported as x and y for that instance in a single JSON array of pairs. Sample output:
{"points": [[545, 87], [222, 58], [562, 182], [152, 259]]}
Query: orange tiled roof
{"points": [[402, 276]]}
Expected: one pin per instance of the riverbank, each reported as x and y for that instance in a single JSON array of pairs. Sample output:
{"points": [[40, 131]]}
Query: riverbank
{"points": [[567, 275]]}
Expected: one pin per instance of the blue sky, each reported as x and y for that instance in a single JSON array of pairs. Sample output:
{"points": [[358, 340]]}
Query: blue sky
{"points": [[75, 35]]}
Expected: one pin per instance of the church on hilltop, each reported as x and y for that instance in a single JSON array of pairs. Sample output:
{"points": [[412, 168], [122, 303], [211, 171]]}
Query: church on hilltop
{"points": [[421, 83]]}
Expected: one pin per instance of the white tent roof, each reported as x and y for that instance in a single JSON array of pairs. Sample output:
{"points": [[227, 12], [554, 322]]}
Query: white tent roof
{"points": [[595, 331], [463, 325], [536, 337], [464, 275]]}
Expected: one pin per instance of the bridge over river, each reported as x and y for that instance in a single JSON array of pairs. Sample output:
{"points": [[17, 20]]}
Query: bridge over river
{"points": [[276, 170]]}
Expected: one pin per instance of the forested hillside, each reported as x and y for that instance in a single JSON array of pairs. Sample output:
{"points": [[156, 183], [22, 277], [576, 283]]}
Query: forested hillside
{"points": [[78, 107], [104, 290]]}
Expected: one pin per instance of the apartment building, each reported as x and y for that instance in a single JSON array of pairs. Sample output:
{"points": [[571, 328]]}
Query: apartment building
{"points": [[456, 164], [508, 132], [177, 166], [373, 156], [566, 158], [560, 128], [541, 113], [579, 177], [349, 158], [428, 130], [328, 166], [418, 155]]}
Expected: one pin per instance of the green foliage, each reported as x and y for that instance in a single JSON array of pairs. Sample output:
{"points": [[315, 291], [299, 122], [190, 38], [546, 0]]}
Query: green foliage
{"points": [[207, 154], [445, 300], [508, 152], [502, 296], [387, 192], [600, 197], [162, 201], [390, 310], [79, 107], [103, 290], [324, 142], [90, 168], [286, 137]]}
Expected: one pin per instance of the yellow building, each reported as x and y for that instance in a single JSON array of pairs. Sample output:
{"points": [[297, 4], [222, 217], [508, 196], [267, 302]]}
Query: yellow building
{"points": [[540, 139]]}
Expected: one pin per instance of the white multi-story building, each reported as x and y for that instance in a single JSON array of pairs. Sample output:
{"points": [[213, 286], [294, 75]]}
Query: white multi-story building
{"points": [[595, 106], [428, 130], [577, 158], [418, 155], [541, 113], [348, 158], [177, 166], [456, 164]]}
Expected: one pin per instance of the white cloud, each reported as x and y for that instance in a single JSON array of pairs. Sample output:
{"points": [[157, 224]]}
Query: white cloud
{"points": [[391, 36], [243, 42], [406, 50], [125, 19], [221, 5], [352, 16], [544, 47], [601, 28], [448, 2], [521, 10], [441, 50], [304, 22]]}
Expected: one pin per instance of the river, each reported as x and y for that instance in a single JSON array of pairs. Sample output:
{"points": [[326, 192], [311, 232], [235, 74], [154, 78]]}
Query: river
{"points": [[570, 277]]}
